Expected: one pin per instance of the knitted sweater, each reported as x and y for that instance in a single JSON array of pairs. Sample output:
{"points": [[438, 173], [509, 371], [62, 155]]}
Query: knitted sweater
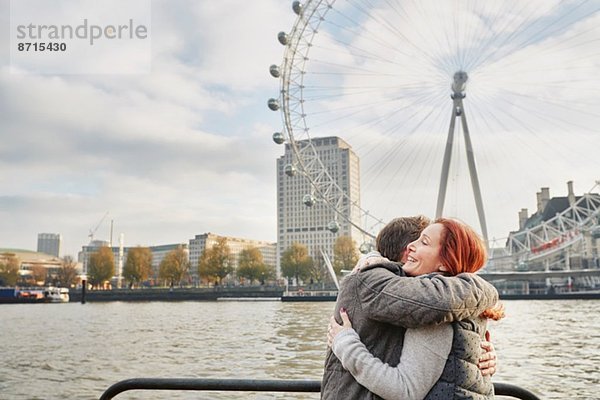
{"points": [[424, 355]]}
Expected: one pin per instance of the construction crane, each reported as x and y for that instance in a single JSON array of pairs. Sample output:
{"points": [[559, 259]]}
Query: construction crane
{"points": [[93, 230]]}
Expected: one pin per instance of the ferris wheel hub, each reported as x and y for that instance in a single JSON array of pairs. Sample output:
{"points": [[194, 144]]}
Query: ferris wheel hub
{"points": [[459, 83]]}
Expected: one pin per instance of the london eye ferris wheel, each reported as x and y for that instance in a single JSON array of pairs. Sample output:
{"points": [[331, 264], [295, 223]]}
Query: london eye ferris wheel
{"points": [[460, 108]]}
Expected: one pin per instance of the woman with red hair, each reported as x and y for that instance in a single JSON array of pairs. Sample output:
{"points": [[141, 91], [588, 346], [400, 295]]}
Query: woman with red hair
{"points": [[448, 247]]}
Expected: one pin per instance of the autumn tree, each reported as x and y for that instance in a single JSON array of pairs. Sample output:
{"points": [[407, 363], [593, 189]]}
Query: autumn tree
{"points": [[138, 265], [251, 266], [317, 270], [175, 266], [295, 262], [345, 254], [39, 273], [67, 273], [101, 266], [9, 269], [216, 262]]}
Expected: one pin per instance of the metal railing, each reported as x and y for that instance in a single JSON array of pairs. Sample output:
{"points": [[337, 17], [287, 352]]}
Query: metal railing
{"points": [[259, 385]]}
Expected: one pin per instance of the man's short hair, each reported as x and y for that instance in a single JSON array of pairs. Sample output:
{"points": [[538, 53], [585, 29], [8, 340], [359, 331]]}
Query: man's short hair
{"points": [[393, 238]]}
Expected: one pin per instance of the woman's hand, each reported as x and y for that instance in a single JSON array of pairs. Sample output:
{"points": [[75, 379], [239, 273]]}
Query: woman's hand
{"points": [[487, 361], [367, 260], [335, 328]]}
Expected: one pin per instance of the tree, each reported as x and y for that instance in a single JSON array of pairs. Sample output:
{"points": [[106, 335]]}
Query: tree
{"points": [[251, 266], [9, 269], [317, 270], [295, 262], [39, 273], [67, 273], [101, 266], [138, 265], [345, 254], [216, 262], [175, 266]]}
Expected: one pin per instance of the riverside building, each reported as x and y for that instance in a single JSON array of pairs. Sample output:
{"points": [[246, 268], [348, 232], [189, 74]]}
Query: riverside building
{"points": [[93, 247], [310, 225], [160, 251], [206, 240]]}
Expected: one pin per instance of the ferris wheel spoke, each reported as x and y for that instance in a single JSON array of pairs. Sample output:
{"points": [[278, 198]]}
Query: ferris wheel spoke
{"points": [[379, 73], [381, 21], [496, 41]]}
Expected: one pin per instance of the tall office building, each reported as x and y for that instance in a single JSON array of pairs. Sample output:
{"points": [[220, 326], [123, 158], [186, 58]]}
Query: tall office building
{"points": [[309, 225], [49, 243]]}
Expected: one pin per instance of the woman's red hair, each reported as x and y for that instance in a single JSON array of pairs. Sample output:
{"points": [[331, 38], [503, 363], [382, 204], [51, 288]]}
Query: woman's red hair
{"points": [[463, 250]]}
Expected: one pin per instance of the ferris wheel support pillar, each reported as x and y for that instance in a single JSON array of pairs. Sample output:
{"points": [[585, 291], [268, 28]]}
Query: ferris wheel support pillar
{"points": [[474, 176], [458, 87], [446, 165]]}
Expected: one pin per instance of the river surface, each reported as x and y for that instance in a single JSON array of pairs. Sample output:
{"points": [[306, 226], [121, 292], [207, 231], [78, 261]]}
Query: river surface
{"points": [[75, 351]]}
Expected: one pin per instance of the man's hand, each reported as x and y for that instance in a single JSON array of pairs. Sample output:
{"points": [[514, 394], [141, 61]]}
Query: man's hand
{"points": [[487, 361]]}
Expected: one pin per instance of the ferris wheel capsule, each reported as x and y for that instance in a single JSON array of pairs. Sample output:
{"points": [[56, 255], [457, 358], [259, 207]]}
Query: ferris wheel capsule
{"points": [[365, 247], [308, 200], [273, 104], [333, 226], [274, 70], [297, 7], [283, 38], [290, 170], [278, 138]]}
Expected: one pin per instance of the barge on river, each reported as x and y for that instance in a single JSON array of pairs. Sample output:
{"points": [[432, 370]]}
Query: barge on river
{"points": [[49, 294]]}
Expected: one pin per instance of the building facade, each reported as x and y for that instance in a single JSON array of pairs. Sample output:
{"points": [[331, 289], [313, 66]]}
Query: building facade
{"points": [[206, 240], [95, 245], [28, 260], [159, 252], [563, 234], [297, 222], [49, 243]]}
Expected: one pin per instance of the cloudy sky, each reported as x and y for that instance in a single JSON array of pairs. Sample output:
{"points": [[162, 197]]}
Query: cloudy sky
{"points": [[185, 148]]}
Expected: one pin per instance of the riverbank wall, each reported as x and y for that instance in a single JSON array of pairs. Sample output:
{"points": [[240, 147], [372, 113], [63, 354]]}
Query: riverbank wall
{"points": [[179, 294]]}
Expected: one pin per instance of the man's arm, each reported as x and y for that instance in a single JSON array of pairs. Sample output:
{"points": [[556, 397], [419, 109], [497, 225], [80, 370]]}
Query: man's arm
{"points": [[428, 299], [423, 358]]}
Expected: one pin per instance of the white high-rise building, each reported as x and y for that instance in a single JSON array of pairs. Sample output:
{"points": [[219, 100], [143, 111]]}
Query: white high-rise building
{"points": [[309, 225], [49, 243]]}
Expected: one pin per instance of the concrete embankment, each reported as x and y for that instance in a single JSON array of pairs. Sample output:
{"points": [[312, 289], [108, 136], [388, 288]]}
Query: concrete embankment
{"points": [[178, 294]]}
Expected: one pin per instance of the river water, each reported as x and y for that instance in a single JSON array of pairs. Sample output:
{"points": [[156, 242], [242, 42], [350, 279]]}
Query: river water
{"points": [[75, 351]]}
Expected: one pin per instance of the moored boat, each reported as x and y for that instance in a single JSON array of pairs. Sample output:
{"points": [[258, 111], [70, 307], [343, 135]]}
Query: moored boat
{"points": [[49, 294], [56, 295]]}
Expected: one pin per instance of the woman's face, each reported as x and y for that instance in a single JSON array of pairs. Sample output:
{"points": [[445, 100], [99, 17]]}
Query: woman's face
{"points": [[423, 255]]}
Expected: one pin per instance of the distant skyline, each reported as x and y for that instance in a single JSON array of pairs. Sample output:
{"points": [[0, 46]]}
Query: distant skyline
{"points": [[187, 148]]}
